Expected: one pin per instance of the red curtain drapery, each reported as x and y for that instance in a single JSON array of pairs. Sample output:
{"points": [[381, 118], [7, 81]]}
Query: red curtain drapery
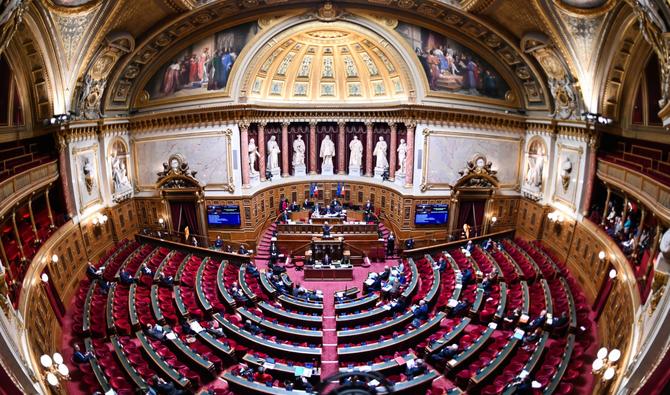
{"points": [[184, 214], [471, 212], [603, 294]]}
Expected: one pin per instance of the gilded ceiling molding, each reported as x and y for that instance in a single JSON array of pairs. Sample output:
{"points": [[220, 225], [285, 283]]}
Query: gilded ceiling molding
{"points": [[597, 8], [71, 7], [91, 89], [123, 83], [655, 32], [476, 6], [10, 19], [233, 114], [566, 94]]}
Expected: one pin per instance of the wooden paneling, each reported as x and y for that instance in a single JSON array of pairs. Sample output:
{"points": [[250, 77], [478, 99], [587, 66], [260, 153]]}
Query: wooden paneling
{"points": [[148, 211], [505, 209], [530, 217], [124, 220], [43, 331], [584, 263]]}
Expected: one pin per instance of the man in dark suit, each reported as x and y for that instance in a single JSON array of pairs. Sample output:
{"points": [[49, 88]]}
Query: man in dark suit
{"points": [[537, 322], [326, 259], [460, 308], [368, 206], [326, 229], [295, 207], [390, 245], [445, 354], [284, 216], [306, 204]]}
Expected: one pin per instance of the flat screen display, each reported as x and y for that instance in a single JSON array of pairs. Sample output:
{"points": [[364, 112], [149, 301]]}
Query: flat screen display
{"points": [[228, 215], [431, 214]]}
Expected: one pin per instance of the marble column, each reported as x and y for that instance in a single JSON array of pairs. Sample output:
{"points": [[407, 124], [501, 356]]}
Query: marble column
{"points": [[64, 172], [244, 154], [591, 178], [409, 168], [341, 148], [261, 150], [51, 217], [393, 156], [284, 150], [312, 147], [643, 217], [368, 149], [18, 238]]}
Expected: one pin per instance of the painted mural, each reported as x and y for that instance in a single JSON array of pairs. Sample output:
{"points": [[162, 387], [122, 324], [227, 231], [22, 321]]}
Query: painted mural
{"points": [[203, 67], [451, 67]]}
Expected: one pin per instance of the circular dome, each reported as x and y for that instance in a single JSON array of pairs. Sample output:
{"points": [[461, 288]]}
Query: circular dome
{"points": [[328, 62]]}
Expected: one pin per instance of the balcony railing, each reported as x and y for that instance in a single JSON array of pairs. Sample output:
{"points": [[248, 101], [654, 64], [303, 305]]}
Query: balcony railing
{"points": [[17, 186]]}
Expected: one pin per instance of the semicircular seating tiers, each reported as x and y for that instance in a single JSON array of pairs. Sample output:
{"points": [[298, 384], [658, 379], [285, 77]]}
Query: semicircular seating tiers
{"points": [[223, 321]]}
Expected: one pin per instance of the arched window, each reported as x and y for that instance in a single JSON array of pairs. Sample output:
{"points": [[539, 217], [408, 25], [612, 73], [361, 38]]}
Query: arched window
{"points": [[11, 108], [645, 106]]}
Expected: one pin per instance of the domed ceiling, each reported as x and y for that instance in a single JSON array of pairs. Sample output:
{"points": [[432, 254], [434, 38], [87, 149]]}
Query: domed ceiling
{"points": [[325, 63]]}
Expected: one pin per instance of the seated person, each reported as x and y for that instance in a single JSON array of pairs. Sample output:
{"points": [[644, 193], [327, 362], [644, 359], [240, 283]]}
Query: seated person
{"points": [[445, 354], [373, 283], [156, 331], [194, 242], [104, 286], [146, 270], [165, 280], [466, 276], [385, 274], [398, 305], [126, 278], [521, 384], [441, 264], [488, 244], [561, 322], [251, 327], [229, 248], [409, 244], [276, 269], [252, 269], [420, 313], [242, 250], [486, 285], [469, 246], [80, 357], [461, 307], [390, 245], [326, 229], [262, 376], [215, 329], [513, 316], [92, 272], [368, 206], [306, 204], [532, 337], [218, 243], [294, 206], [301, 382], [284, 216], [327, 260], [537, 322], [416, 369], [166, 388]]}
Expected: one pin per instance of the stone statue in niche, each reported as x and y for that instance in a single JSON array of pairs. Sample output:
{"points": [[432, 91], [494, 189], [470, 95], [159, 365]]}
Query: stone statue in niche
{"points": [[534, 172], [253, 155], [273, 154], [119, 175], [355, 156], [402, 157], [380, 152], [87, 170], [298, 151], [327, 154], [566, 170]]}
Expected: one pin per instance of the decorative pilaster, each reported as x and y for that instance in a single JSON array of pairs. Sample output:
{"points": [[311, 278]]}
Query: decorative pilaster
{"points": [[368, 149], [591, 176], [393, 157], [64, 171], [18, 238], [409, 172], [341, 148], [284, 149], [624, 215], [643, 217], [32, 220], [261, 150], [244, 153], [312, 147]]}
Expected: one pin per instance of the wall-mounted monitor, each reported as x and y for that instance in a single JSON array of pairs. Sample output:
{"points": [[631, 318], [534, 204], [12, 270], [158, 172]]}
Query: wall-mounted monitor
{"points": [[222, 216], [431, 214]]}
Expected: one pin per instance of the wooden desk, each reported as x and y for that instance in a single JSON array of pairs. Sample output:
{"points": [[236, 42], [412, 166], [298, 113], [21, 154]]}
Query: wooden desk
{"points": [[350, 335], [242, 385], [296, 318], [386, 368], [447, 337], [331, 220], [417, 384], [357, 304], [299, 216], [138, 381], [562, 367], [284, 331], [329, 273], [163, 366], [301, 305], [472, 350], [95, 367], [281, 369], [223, 291], [483, 373]]}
